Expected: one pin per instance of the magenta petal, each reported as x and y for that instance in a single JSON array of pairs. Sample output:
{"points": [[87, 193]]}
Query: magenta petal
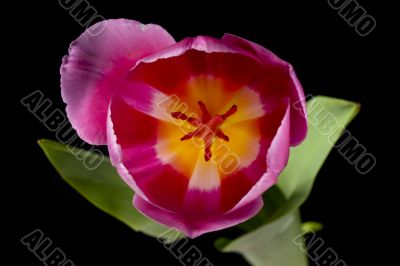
{"points": [[115, 152], [298, 112], [200, 43], [132, 139], [263, 54], [91, 70], [277, 158], [296, 94], [196, 226]]}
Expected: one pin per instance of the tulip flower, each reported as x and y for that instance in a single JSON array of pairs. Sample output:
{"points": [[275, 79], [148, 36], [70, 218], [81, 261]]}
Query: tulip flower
{"points": [[199, 129]]}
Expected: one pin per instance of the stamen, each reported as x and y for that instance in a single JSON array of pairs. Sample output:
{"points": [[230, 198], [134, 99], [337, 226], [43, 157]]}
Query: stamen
{"points": [[207, 154], [208, 140], [179, 115], [230, 112], [221, 135], [206, 115], [188, 136], [207, 128]]}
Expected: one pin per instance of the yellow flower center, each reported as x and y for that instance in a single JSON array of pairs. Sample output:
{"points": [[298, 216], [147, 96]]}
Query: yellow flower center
{"points": [[207, 128], [212, 130]]}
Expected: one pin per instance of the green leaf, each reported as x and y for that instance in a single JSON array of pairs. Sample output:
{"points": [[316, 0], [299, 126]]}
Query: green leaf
{"points": [[272, 244], [296, 181], [311, 226], [294, 185], [102, 187]]}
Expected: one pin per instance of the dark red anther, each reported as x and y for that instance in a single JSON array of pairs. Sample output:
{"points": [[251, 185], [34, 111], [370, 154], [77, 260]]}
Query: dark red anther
{"points": [[205, 114], [230, 112], [221, 135], [179, 115], [188, 136], [207, 154]]}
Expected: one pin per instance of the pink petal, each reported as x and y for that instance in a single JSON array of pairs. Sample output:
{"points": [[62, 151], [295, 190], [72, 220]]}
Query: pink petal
{"points": [[277, 158], [200, 43], [237, 186], [169, 68], [295, 92], [196, 226], [201, 203], [131, 143], [91, 70]]}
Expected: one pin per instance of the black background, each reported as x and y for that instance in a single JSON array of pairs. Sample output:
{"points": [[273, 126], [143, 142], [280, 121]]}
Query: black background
{"points": [[329, 57]]}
